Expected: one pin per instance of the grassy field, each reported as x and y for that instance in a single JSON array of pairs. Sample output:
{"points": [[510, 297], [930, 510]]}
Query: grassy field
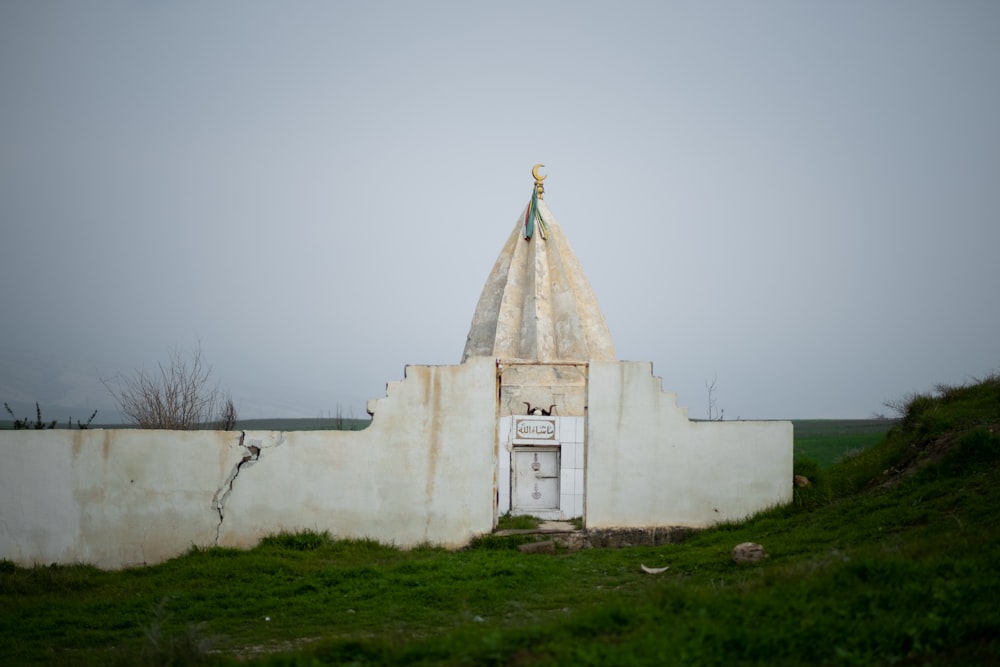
{"points": [[826, 441], [306, 424], [891, 556]]}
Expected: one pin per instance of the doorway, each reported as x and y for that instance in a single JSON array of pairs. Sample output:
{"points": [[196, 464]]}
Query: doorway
{"points": [[536, 480]]}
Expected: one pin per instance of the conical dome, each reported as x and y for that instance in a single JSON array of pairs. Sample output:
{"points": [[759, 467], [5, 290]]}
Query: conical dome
{"points": [[537, 304]]}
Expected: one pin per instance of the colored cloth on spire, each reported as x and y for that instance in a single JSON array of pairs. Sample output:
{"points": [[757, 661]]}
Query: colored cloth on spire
{"points": [[531, 216]]}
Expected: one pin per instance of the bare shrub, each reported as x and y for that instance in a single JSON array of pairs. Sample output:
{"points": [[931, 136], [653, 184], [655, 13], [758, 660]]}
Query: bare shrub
{"points": [[227, 415], [713, 413], [38, 424], [25, 423], [82, 424], [178, 395]]}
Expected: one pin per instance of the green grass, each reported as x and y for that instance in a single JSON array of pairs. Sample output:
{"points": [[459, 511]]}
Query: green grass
{"points": [[892, 556], [517, 522], [826, 441]]}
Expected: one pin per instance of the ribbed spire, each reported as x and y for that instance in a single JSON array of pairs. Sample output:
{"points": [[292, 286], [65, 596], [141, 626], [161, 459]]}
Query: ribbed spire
{"points": [[537, 304]]}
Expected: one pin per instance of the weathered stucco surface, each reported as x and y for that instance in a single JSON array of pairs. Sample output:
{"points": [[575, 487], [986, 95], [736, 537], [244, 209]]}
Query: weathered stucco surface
{"points": [[648, 465], [537, 304], [426, 470], [422, 472], [109, 497], [543, 386]]}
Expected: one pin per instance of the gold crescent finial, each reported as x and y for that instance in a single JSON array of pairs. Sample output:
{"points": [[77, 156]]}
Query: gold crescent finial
{"points": [[534, 172], [538, 179]]}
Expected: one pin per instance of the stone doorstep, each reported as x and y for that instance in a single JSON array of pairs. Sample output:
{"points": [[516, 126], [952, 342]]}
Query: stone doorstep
{"points": [[562, 526], [566, 536], [544, 528]]}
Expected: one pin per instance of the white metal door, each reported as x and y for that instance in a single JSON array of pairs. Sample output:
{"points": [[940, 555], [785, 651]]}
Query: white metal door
{"points": [[536, 479]]}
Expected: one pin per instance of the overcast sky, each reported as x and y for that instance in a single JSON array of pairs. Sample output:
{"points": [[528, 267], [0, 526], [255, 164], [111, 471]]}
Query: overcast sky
{"points": [[800, 200]]}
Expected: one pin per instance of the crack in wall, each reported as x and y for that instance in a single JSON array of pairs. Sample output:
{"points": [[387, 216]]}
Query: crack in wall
{"points": [[251, 454]]}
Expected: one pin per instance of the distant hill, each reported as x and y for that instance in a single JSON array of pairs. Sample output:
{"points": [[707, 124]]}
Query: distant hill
{"points": [[304, 424], [277, 424]]}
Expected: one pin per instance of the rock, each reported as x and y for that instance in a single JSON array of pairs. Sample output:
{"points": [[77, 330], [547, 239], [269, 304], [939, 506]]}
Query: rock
{"points": [[748, 552], [802, 481], [546, 547]]}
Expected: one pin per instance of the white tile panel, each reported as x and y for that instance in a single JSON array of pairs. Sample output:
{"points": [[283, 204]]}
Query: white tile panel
{"points": [[568, 429], [567, 481], [566, 501], [568, 456]]}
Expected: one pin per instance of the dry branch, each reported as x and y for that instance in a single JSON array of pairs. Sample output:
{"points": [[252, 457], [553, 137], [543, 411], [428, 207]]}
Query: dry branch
{"points": [[176, 396]]}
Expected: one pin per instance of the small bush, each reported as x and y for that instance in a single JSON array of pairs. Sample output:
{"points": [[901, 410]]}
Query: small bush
{"points": [[82, 425], [916, 412], [176, 396], [227, 415], [39, 424], [24, 424]]}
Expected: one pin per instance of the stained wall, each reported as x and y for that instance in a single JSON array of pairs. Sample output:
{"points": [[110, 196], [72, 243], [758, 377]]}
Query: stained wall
{"points": [[649, 465], [428, 469], [422, 472]]}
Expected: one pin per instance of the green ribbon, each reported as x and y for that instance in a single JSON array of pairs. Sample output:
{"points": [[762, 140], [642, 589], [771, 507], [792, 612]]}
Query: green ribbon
{"points": [[531, 216]]}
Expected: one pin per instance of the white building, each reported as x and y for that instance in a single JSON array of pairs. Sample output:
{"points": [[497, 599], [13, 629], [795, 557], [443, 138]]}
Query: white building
{"points": [[541, 419]]}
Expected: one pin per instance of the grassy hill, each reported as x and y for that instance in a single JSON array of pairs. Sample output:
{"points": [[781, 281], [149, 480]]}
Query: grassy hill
{"points": [[890, 556]]}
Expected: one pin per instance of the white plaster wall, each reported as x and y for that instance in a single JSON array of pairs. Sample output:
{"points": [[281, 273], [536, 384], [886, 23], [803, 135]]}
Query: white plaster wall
{"points": [[426, 470], [109, 497], [648, 465], [423, 471]]}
